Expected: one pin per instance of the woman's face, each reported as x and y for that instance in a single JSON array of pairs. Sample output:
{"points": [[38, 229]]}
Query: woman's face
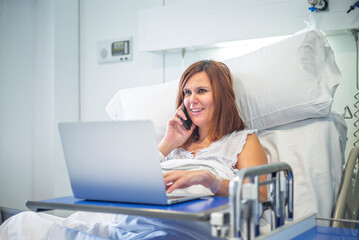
{"points": [[198, 99]]}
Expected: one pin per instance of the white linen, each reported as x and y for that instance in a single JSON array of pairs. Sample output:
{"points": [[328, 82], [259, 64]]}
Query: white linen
{"points": [[31, 225], [314, 148], [99, 226]]}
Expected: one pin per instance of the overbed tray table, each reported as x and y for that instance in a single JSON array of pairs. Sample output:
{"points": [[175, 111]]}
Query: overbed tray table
{"points": [[194, 210]]}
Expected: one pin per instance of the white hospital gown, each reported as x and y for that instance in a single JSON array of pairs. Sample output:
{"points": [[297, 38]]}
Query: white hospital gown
{"points": [[219, 157], [224, 151]]}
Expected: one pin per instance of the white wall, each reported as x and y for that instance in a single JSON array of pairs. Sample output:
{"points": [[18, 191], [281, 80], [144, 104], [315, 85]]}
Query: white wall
{"points": [[16, 100], [38, 88], [103, 20]]}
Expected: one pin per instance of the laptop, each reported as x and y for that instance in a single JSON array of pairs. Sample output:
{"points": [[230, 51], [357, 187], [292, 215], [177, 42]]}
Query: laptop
{"points": [[115, 161]]}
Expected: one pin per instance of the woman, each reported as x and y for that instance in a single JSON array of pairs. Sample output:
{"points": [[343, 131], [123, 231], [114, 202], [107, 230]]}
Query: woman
{"points": [[217, 138], [205, 89]]}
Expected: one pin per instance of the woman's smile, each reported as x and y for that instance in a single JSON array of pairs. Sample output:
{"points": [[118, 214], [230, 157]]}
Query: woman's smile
{"points": [[196, 111]]}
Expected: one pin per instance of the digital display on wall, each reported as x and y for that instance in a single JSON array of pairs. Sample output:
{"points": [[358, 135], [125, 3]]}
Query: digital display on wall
{"points": [[120, 48]]}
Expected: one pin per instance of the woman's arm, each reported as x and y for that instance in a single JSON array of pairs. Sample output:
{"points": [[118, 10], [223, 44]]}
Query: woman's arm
{"points": [[253, 155], [179, 179]]}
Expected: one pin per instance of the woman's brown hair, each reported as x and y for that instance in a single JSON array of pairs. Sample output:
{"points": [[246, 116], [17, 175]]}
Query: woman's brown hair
{"points": [[226, 118]]}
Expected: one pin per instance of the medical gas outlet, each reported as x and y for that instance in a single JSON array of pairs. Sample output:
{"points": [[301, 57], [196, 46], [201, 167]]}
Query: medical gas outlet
{"points": [[318, 5], [114, 50]]}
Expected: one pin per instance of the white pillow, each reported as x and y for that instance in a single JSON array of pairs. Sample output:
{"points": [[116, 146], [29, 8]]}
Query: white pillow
{"points": [[156, 103], [288, 81]]}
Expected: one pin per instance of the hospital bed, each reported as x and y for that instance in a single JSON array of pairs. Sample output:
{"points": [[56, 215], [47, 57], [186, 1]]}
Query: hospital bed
{"points": [[285, 91]]}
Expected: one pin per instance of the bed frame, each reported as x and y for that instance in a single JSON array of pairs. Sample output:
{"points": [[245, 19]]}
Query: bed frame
{"points": [[241, 220]]}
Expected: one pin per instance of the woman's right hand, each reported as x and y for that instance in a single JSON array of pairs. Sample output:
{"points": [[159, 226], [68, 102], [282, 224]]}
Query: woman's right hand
{"points": [[176, 133]]}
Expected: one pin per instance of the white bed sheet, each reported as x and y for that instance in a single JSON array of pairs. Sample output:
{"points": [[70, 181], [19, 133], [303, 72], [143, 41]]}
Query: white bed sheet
{"points": [[314, 148]]}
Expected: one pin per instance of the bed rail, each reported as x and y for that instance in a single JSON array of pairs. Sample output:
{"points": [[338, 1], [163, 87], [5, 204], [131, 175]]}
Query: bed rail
{"points": [[241, 220], [347, 205], [6, 213]]}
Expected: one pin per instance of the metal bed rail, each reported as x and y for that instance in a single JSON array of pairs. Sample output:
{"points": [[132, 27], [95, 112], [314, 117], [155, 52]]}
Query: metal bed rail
{"points": [[241, 220], [346, 211]]}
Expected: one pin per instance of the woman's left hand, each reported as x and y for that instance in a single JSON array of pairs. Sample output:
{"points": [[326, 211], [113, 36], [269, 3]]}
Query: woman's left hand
{"points": [[179, 179]]}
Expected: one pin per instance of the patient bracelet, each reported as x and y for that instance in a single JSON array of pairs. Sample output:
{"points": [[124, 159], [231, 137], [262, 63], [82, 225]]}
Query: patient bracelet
{"points": [[216, 185]]}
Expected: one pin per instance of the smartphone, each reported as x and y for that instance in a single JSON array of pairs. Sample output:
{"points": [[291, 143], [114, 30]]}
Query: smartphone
{"points": [[187, 123]]}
